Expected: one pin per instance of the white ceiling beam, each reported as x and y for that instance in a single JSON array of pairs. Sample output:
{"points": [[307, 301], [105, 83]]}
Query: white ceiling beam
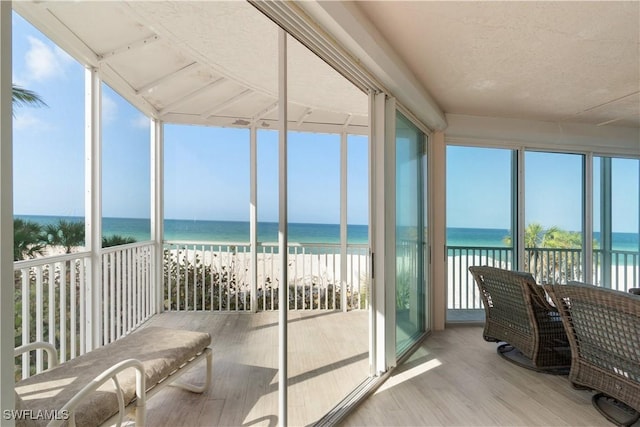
{"points": [[307, 112], [189, 96], [56, 30], [122, 86], [226, 103], [167, 77], [128, 48], [197, 119], [271, 108], [113, 73], [347, 122]]}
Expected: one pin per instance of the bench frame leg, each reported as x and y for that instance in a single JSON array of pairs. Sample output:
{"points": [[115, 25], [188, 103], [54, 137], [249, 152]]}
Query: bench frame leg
{"points": [[207, 382]]}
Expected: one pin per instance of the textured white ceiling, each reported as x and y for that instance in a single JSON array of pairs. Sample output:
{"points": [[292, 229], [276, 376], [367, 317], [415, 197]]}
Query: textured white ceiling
{"points": [[553, 61]]}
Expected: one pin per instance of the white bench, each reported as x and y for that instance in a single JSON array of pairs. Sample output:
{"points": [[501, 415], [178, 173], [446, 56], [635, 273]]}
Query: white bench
{"points": [[103, 385]]}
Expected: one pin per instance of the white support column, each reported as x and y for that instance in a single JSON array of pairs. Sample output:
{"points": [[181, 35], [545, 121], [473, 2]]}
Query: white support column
{"points": [[93, 208], [283, 294], [343, 219], [606, 218], [520, 205], [383, 230], [253, 216], [373, 301], [7, 327], [389, 208], [157, 211], [587, 261], [437, 177]]}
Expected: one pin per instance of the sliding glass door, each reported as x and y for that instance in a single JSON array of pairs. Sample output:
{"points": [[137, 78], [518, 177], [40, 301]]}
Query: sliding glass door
{"points": [[616, 223], [410, 234]]}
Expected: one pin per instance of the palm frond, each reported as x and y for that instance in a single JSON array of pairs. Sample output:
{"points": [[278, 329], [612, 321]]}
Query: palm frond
{"points": [[23, 97]]}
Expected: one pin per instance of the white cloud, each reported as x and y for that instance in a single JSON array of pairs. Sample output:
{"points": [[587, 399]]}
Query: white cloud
{"points": [[109, 109], [18, 81], [43, 61], [141, 121], [23, 121], [64, 57]]}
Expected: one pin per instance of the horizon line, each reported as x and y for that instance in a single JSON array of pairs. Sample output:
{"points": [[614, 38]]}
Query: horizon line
{"points": [[276, 222]]}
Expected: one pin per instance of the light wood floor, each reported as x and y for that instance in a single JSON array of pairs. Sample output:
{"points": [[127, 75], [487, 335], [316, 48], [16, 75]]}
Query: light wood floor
{"points": [[458, 379], [328, 358], [454, 379]]}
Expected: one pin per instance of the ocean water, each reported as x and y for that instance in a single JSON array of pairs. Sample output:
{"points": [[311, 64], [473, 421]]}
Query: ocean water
{"points": [[483, 237], [494, 237], [218, 231], [238, 231]]}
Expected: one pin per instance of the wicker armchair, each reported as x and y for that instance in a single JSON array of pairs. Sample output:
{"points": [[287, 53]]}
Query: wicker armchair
{"points": [[519, 314], [603, 327]]}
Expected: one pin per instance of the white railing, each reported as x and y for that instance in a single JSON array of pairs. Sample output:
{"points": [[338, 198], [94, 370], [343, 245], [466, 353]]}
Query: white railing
{"points": [[54, 294], [616, 269], [462, 292], [51, 305], [217, 277], [128, 294], [553, 266]]}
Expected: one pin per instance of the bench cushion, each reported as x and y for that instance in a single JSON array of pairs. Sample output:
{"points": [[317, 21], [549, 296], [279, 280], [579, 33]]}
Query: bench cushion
{"points": [[161, 350]]}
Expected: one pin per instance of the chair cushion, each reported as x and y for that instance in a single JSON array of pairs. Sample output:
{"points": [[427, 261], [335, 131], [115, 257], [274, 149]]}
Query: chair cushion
{"points": [[162, 351]]}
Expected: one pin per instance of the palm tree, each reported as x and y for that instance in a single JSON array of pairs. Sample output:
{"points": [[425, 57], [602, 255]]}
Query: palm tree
{"points": [[566, 264], [28, 240], [561, 239], [68, 234], [27, 235], [533, 236], [554, 263]]}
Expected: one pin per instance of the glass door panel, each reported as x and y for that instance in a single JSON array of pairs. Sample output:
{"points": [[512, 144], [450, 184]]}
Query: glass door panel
{"points": [[616, 224], [409, 234], [553, 216], [479, 223], [328, 318]]}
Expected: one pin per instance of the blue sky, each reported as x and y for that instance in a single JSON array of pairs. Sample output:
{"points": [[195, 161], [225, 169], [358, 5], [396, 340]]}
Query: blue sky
{"points": [[206, 169], [479, 190], [216, 182]]}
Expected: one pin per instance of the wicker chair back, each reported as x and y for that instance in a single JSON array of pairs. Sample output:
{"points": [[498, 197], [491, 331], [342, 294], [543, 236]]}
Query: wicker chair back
{"points": [[603, 327], [517, 312]]}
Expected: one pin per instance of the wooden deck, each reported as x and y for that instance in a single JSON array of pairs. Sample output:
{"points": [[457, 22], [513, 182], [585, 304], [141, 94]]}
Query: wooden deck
{"points": [[328, 357], [455, 378]]}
